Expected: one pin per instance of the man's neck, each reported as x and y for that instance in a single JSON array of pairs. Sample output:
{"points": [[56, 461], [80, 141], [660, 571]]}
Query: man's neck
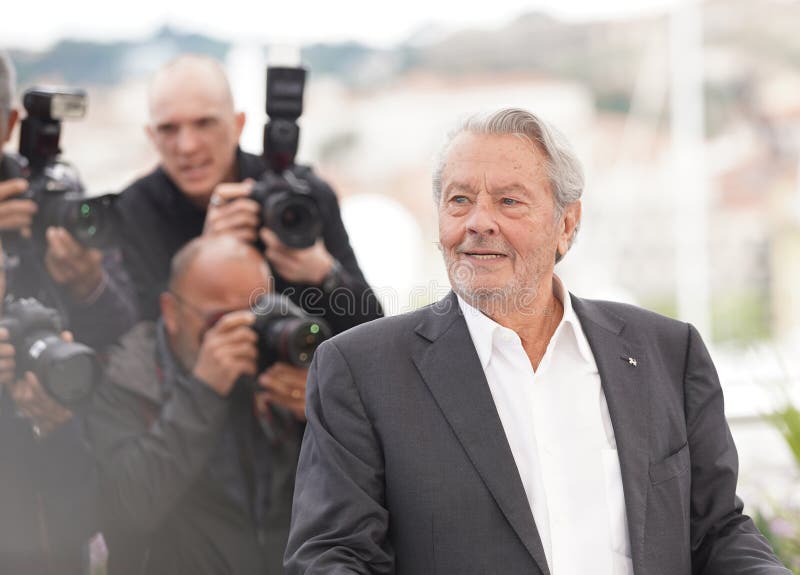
{"points": [[535, 323]]}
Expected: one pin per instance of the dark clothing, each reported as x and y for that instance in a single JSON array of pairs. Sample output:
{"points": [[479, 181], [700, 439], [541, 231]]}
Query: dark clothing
{"points": [[158, 219], [47, 506], [376, 494], [48, 509], [109, 313], [192, 482]]}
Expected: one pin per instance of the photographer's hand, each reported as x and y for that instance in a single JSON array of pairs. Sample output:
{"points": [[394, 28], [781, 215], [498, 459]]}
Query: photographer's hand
{"points": [[71, 264], [228, 351], [15, 214], [307, 265], [230, 211], [284, 385], [35, 404], [7, 363]]}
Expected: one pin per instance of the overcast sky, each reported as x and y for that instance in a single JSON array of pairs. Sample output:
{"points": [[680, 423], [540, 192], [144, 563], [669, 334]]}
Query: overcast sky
{"points": [[36, 24]]}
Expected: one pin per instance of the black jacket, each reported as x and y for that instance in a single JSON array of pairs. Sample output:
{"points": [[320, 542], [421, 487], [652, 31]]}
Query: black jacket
{"points": [[158, 219], [190, 481]]}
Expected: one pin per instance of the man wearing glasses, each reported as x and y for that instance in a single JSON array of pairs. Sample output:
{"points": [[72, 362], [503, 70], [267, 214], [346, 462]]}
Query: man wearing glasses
{"points": [[196, 475]]}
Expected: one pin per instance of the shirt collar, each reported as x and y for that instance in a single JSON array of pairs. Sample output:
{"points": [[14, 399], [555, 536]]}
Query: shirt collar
{"points": [[482, 328], [571, 320]]}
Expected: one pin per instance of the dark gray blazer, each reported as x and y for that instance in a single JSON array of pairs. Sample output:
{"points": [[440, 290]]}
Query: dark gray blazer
{"points": [[405, 467]]}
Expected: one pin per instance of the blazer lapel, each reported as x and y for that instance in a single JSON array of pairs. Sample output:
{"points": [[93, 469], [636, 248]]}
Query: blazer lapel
{"points": [[622, 366], [452, 371]]}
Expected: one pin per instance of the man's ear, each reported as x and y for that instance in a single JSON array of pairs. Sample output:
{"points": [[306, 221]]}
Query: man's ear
{"points": [[169, 312], [239, 120], [571, 219], [13, 116], [151, 133]]}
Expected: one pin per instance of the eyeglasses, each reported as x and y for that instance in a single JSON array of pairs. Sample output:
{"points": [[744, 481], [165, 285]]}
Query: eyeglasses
{"points": [[210, 318]]}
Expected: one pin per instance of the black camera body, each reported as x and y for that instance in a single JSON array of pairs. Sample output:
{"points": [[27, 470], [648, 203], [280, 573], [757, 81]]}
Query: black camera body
{"points": [[285, 332], [289, 209], [67, 370], [53, 183]]}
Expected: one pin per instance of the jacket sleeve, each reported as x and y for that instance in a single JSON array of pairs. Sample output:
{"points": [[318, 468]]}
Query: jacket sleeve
{"points": [[148, 456], [724, 540], [353, 302], [110, 312], [339, 518]]}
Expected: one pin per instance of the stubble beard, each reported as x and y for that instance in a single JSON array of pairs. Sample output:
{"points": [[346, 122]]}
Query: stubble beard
{"points": [[515, 297]]}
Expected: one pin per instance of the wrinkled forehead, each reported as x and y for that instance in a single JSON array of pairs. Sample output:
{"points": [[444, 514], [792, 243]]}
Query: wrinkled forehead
{"points": [[505, 159]]}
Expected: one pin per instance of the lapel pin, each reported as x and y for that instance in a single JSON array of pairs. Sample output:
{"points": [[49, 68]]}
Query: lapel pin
{"points": [[632, 361]]}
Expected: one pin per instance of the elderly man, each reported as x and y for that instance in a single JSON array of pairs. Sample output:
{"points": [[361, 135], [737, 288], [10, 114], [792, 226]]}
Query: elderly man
{"points": [[196, 473], [512, 427]]}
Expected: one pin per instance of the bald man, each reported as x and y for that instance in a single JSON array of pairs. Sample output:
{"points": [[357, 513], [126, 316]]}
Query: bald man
{"points": [[195, 129], [195, 477]]}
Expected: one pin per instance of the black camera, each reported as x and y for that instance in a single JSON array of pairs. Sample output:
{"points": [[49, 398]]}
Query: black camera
{"points": [[288, 208], [53, 183], [285, 332], [67, 370]]}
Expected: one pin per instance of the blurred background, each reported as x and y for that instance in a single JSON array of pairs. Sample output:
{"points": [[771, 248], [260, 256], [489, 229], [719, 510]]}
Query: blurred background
{"points": [[685, 114]]}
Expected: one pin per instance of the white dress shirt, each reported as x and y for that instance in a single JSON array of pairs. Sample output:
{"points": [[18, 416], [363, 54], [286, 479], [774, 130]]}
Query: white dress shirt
{"points": [[557, 424]]}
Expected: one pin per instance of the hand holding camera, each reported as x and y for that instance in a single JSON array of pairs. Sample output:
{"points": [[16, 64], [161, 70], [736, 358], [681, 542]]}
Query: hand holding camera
{"points": [[16, 214], [51, 193], [66, 370], [31, 400], [227, 352], [36, 405], [305, 265], [231, 211], [283, 384], [72, 264]]}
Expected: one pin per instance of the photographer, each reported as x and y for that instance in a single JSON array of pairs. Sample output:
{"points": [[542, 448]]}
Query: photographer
{"points": [[47, 480], [196, 472], [195, 130], [86, 284]]}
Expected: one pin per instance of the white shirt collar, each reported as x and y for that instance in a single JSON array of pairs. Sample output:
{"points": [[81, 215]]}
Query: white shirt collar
{"points": [[483, 329]]}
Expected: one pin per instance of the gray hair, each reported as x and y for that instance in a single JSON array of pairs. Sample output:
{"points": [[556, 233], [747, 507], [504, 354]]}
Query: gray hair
{"points": [[7, 89], [564, 170]]}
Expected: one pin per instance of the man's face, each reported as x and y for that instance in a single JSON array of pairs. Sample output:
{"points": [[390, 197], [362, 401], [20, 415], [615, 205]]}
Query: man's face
{"points": [[200, 301], [195, 130], [498, 226]]}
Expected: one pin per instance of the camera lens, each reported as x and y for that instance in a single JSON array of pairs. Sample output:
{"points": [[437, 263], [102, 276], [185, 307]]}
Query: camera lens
{"points": [[294, 218], [294, 340], [305, 339], [67, 370], [286, 333], [88, 219]]}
